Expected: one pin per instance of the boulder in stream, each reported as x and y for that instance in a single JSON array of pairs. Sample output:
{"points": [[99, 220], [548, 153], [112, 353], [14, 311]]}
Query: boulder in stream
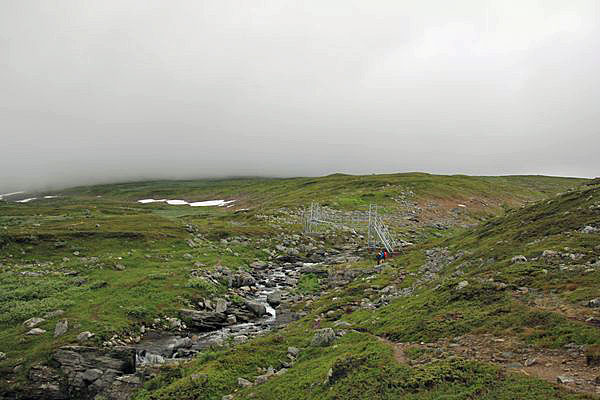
{"points": [[257, 308]]}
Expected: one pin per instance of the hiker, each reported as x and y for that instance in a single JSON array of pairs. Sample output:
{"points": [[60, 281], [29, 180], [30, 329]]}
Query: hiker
{"points": [[386, 255], [381, 257]]}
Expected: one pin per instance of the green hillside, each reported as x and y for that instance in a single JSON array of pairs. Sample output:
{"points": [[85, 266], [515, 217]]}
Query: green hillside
{"points": [[506, 263]]}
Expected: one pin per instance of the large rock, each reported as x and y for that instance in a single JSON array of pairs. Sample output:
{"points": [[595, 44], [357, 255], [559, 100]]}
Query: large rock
{"points": [[220, 305], [61, 328], [79, 372], [323, 337], [176, 344], [274, 299], [45, 383], [285, 316], [204, 320], [240, 279], [256, 308], [259, 265], [82, 358]]}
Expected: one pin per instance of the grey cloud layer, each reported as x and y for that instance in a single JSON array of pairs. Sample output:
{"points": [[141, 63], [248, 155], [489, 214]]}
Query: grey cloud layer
{"points": [[117, 90]]}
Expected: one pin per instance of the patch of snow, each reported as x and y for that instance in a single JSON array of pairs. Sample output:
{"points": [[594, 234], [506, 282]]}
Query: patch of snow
{"points": [[177, 202], [26, 200], [50, 197], [9, 194], [208, 203], [211, 203], [146, 201], [462, 205]]}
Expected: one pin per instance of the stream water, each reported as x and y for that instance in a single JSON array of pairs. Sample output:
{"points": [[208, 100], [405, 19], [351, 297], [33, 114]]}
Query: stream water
{"points": [[160, 347]]}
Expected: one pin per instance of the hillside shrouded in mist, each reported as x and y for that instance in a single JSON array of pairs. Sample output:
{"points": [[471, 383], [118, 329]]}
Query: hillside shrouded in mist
{"points": [[119, 90]]}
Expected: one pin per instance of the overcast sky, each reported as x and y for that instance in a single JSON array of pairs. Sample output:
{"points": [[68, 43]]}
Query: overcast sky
{"points": [[114, 90]]}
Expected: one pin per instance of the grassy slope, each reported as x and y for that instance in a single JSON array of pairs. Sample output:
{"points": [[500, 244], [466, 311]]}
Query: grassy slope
{"points": [[149, 240], [547, 225], [364, 366], [343, 191]]}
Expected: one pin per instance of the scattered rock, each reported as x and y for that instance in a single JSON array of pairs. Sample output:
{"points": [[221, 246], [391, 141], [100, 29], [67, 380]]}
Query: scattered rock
{"points": [[264, 377], [590, 229], [343, 324], [240, 279], [83, 336], [323, 337], [530, 361], [259, 265], [92, 374], [244, 382], [240, 339], [33, 322], [36, 331], [61, 328], [594, 303], [2, 356], [519, 259], [293, 351], [565, 379], [55, 313], [592, 356], [549, 254], [462, 284]]}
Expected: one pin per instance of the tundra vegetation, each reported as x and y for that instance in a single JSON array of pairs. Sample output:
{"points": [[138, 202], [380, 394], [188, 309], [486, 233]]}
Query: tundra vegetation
{"points": [[493, 295]]}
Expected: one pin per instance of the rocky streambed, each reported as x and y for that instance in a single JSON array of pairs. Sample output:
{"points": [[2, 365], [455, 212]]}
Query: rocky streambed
{"points": [[256, 302]]}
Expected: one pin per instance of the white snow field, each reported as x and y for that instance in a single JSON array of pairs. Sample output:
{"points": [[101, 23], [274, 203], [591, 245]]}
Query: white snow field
{"points": [[9, 194], [211, 203], [146, 201], [208, 203]]}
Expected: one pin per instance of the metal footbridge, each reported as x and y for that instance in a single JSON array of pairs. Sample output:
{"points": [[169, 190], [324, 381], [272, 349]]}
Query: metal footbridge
{"points": [[378, 233]]}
